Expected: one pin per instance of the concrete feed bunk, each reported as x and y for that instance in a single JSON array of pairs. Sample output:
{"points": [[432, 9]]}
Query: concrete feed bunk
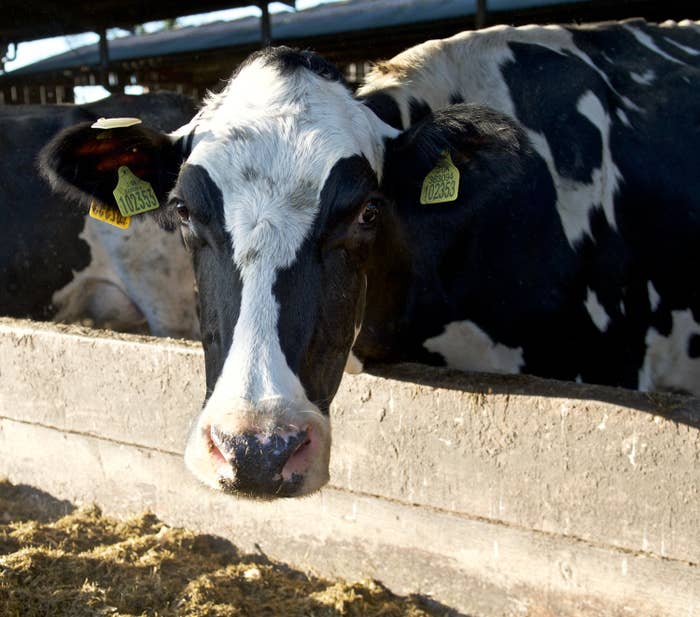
{"points": [[496, 495]]}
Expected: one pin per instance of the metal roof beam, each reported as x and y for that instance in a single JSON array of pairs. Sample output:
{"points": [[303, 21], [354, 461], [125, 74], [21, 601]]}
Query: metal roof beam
{"points": [[28, 20], [480, 17]]}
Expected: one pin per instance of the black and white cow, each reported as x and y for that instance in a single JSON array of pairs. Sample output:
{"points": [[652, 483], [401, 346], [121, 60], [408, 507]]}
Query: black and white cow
{"points": [[57, 263], [568, 252]]}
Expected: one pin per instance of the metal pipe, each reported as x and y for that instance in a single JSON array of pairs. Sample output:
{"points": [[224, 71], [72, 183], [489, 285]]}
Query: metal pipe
{"points": [[480, 17], [104, 57], [265, 30]]}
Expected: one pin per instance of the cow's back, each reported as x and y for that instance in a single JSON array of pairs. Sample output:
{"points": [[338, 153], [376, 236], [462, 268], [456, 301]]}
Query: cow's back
{"points": [[612, 110]]}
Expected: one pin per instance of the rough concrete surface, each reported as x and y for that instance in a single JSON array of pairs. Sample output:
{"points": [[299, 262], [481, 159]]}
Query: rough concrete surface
{"points": [[498, 494]]}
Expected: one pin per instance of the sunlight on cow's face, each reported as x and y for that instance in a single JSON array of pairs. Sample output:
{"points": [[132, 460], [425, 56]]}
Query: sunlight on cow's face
{"points": [[278, 202]]}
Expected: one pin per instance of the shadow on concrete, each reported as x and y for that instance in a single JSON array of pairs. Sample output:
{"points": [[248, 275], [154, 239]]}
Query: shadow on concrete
{"points": [[679, 408], [21, 502]]}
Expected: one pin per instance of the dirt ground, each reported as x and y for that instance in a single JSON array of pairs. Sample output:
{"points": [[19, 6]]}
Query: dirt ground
{"points": [[59, 561]]}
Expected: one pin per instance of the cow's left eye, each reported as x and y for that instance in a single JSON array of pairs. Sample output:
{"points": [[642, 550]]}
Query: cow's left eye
{"points": [[369, 213]]}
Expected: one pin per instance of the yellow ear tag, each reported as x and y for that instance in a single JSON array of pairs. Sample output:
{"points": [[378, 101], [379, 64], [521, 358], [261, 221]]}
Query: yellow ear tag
{"points": [[133, 196], [114, 123], [108, 215], [442, 182]]}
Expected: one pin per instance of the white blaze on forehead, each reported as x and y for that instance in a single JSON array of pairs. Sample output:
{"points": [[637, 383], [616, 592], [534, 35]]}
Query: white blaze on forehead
{"points": [[270, 141]]}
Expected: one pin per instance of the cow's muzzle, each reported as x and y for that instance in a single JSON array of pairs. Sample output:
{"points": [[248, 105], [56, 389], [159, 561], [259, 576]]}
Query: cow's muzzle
{"points": [[261, 452], [262, 464]]}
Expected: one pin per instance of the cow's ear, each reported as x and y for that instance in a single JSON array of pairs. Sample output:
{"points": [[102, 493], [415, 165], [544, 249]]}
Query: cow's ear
{"points": [[83, 162], [477, 142]]}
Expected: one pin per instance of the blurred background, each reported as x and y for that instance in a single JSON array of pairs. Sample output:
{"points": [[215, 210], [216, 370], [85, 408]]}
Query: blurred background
{"points": [[78, 52]]}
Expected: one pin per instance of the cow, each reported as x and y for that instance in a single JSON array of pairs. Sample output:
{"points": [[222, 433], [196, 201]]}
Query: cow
{"points": [[57, 263], [519, 200]]}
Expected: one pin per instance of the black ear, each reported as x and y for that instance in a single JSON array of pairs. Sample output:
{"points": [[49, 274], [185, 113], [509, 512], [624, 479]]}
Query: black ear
{"points": [[82, 162], [485, 146]]}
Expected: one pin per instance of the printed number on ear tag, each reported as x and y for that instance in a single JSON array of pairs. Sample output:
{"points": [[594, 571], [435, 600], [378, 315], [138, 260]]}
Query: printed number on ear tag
{"points": [[133, 195], [108, 215], [442, 182]]}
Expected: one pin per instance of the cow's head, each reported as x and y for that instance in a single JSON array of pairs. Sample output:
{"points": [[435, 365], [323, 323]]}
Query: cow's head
{"points": [[277, 188]]}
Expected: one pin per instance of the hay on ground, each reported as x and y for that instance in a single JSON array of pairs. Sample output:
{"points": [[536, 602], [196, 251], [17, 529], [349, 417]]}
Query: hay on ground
{"points": [[79, 563]]}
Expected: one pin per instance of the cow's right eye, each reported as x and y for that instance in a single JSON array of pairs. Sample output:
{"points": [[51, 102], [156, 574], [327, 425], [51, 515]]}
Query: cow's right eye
{"points": [[183, 213]]}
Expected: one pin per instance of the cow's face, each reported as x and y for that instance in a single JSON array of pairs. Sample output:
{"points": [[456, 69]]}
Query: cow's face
{"points": [[275, 185], [278, 201]]}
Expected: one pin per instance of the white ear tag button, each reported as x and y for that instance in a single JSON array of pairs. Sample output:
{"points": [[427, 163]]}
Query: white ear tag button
{"points": [[115, 123]]}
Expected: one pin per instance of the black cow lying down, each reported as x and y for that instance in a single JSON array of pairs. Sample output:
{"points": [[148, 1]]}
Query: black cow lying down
{"points": [[57, 263], [540, 215]]}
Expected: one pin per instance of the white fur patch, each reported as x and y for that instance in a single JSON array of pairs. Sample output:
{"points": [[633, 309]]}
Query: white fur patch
{"points": [[465, 346], [576, 199], [654, 297], [149, 266], [596, 311], [645, 79], [644, 39], [666, 363], [623, 117], [689, 50], [353, 365]]}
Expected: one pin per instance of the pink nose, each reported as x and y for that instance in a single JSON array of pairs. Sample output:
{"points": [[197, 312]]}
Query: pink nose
{"points": [[263, 464]]}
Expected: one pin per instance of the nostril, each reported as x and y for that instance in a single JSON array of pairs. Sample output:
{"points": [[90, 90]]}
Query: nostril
{"points": [[301, 457], [301, 447], [261, 462], [216, 440]]}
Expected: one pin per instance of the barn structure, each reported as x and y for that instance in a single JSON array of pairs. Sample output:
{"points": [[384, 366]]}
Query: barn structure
{"points": [[191, 60]]}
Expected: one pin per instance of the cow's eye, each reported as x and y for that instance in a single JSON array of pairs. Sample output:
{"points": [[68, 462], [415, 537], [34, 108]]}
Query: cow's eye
{"points": [[369, 213], [183, 213]]}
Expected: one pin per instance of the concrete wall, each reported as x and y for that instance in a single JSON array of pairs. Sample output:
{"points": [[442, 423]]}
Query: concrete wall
{"points": [[496, 495]]}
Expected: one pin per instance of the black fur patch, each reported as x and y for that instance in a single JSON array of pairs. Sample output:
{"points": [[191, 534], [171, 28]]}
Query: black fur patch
{"points": [[318, 293], [575, 142], [418, 110], [386, 108], [218, 278], [202, 196], [464, 130], [290, 60]]}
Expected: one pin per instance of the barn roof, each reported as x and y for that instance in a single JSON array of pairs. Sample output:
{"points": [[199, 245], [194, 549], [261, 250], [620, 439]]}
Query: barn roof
{"points": [[329, 19], [26, 20]]}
